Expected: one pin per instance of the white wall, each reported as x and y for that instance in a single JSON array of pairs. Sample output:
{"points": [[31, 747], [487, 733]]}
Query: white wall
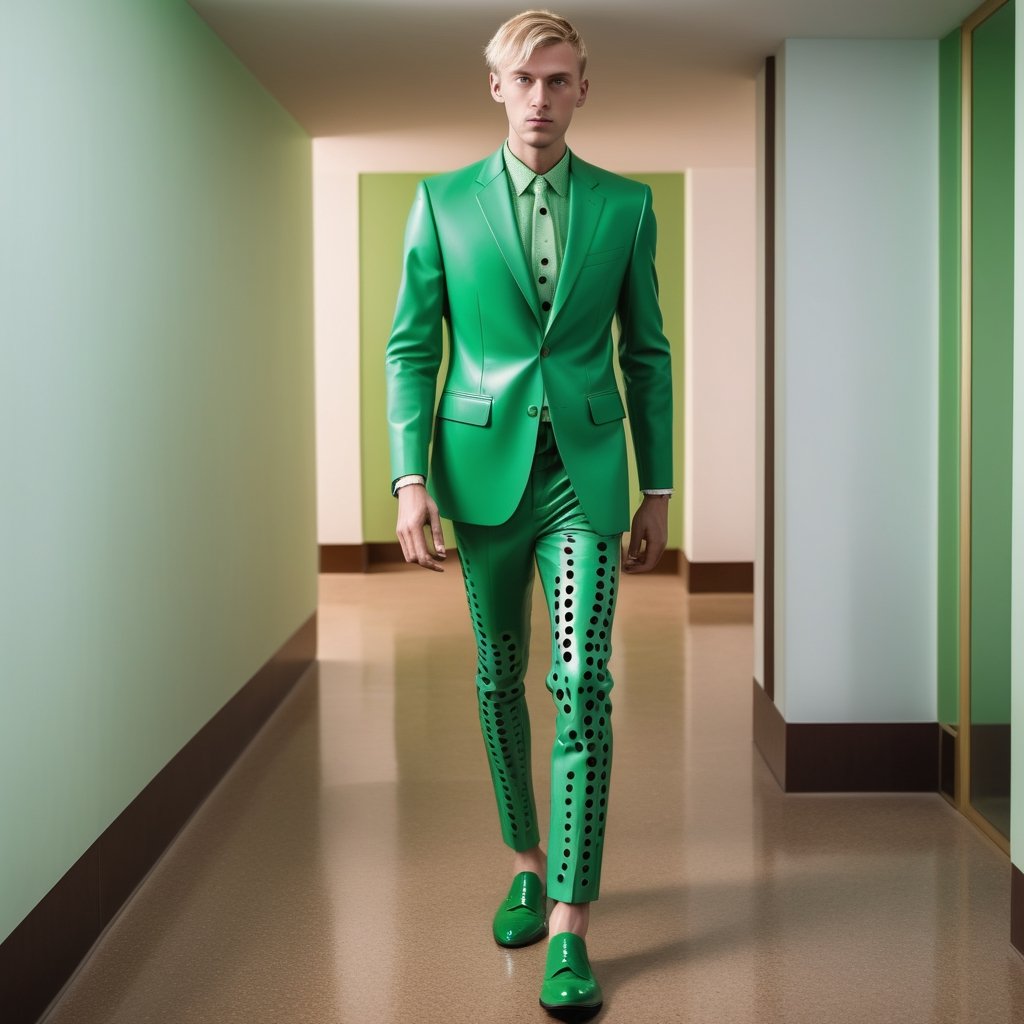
{"points": [[721, 238], [707, 123], [856, 379]]}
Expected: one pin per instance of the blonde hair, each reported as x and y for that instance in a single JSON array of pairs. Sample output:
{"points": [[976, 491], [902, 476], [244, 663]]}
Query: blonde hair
{"points": [[515, 41]]}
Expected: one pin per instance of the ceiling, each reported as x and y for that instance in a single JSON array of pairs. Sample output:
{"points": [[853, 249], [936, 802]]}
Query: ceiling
{"points": [[351, 66]]}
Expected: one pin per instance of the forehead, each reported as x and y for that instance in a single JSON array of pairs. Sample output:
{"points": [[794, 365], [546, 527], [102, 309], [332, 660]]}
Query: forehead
{"points": [[556, 59]]}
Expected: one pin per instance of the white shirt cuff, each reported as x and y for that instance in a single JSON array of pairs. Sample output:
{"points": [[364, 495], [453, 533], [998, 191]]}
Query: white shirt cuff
{"points": [[663, 490], [404, 481]]}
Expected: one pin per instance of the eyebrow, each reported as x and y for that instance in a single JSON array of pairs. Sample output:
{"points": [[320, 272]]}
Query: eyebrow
{"points": [[530, 74]]}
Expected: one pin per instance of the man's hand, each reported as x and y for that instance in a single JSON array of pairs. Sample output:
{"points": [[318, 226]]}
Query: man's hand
{"points": [[650, 529], [417, 510]]}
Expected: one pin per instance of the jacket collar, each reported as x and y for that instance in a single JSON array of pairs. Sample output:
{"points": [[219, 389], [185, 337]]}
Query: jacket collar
{"points": [[585, 205]]}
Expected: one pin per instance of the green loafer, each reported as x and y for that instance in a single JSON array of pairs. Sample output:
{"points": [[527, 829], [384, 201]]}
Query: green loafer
{"points": [[520, 919], [569, 983]]}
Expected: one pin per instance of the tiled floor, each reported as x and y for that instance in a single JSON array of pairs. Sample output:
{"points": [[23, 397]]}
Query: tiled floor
{"points": [[347, 867]]}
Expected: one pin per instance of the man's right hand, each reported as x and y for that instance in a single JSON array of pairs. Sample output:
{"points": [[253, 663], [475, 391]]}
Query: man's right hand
{"points": [[416, 511]]}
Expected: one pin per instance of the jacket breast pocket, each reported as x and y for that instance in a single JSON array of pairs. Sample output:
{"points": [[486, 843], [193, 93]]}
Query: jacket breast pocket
{"points": [[464, 408], [606, 406], [595, 259]]}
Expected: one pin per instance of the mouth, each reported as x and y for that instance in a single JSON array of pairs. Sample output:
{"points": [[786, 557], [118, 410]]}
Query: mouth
{"points": [[538, 120]]}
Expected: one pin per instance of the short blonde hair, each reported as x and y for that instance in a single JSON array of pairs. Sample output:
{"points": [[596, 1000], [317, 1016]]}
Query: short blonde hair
{"points": [[515, 41]]}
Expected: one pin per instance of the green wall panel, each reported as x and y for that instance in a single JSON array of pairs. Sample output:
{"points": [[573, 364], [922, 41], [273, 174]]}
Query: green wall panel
{"points": [[949, 379], [992, 413], [157, 527], [992, 367], [384, 202]]}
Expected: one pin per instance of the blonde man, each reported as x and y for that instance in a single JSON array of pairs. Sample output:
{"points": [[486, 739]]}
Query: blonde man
{"points": [[529, 255]]}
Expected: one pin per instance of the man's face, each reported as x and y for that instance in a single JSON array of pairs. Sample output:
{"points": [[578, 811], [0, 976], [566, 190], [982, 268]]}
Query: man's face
{"points": [[540, 97]]}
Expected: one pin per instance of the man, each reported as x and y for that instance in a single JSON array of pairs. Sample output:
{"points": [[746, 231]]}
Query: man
{"points": [[528, 256]]}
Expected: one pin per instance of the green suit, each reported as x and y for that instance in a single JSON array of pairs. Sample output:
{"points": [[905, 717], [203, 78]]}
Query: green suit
{"points": [[520, 489]]}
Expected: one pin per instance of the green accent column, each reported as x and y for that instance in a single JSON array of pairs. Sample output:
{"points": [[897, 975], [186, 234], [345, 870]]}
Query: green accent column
{"points": [[384, 202], [992, 415], [949, 379]]}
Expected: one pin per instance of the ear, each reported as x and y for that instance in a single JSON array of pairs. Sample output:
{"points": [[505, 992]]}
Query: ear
{"points": [[584, 87], [494, 81]]}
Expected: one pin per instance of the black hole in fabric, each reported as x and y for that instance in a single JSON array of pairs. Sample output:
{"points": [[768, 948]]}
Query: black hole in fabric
{"points": [[591, 762], [561, 878], [559, 693], [572, 734], [584, 882], [570, 561], [568, 789], [567, 656], [602, 546], [579, 748], [568, 551]]}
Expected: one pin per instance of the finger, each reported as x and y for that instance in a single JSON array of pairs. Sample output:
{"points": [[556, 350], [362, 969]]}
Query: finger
{"points": [[438, 535], [423, 556], [635, 539]]}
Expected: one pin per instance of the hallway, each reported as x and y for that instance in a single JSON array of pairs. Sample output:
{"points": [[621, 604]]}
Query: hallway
{"points": [[346, 868]]}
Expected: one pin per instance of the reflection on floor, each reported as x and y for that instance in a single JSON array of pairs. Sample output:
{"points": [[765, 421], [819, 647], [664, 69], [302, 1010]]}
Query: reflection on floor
{"points": [[347, 868]]}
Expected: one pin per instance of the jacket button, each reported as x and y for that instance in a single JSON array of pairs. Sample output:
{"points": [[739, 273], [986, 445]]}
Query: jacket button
{"points": [[545, 352], [532, 411]]}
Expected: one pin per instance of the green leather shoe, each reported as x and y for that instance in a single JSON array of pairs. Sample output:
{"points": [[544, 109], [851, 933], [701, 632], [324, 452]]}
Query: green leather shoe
{"points": [[569, 983], [520, 919]]}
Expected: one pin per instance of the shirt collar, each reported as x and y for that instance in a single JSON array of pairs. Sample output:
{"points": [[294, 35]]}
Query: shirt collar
{"points": [[522, 176]]}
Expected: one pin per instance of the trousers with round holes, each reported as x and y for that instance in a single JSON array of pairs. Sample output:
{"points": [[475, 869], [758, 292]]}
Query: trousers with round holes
{"points": [[578, 569]]}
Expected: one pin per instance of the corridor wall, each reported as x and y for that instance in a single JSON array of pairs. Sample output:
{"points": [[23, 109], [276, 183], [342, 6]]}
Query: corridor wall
{"points": [[856, 381], [157, 526]]}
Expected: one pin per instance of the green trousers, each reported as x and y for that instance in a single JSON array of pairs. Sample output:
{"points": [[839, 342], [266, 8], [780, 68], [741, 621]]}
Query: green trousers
{"points": [[579, 571]]}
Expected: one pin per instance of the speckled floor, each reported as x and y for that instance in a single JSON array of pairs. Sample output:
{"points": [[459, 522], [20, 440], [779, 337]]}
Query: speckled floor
{"points": [[347, 867]]}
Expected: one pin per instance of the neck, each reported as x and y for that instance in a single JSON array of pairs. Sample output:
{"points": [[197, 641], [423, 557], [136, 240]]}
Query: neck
{"points": [[540, 161]]}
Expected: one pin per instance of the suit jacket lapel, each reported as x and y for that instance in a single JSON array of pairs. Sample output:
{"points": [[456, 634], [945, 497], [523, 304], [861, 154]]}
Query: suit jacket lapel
{"points": [[585, 205], [496, 206]]}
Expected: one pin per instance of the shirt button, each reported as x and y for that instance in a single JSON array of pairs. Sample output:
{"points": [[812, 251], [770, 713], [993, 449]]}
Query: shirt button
{"points": [[532, 411], [545, 352], [543, 211], [545, 306], [542, 280], [544, 262]]}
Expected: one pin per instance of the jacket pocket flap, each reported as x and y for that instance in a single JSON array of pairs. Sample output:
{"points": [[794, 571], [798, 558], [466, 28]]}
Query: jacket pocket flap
{"points": [[472, 409], [604, 256], [606, 406]]}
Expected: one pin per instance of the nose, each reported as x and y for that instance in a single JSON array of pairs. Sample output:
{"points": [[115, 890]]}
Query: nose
{"points": [[539, 95]]}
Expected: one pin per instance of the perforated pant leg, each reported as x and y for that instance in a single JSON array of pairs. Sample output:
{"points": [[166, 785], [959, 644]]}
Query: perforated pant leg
{"points": [[579, 572], [497, 568]]}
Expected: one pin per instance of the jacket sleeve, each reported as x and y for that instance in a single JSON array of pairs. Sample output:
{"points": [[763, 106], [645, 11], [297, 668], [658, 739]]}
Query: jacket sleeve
{"points": [[414, 349], [645, 360]]}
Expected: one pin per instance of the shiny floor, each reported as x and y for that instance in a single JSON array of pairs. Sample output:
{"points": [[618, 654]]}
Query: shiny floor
{"points": [[347, 867]]}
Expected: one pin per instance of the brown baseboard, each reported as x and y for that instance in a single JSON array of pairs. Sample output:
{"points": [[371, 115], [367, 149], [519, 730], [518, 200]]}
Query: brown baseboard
{"points": [[846, 757], [1017, 908], [359, 557], [363, 557], [344, 558], [717, 577], [39, 956]]}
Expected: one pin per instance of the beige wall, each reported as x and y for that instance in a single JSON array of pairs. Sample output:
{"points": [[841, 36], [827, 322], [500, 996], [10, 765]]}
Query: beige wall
{"points": [[720, 353], [697, 122]]}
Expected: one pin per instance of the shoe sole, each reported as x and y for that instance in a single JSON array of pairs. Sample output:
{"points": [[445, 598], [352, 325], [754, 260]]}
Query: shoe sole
{"points": [[574, 1014], [527, 942]]}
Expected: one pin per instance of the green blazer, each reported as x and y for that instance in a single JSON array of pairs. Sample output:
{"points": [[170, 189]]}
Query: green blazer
{"points": [[464, 265]]}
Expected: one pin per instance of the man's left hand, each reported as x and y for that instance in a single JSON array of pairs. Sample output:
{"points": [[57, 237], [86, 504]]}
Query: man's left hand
{"points": [[649, 534]]}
